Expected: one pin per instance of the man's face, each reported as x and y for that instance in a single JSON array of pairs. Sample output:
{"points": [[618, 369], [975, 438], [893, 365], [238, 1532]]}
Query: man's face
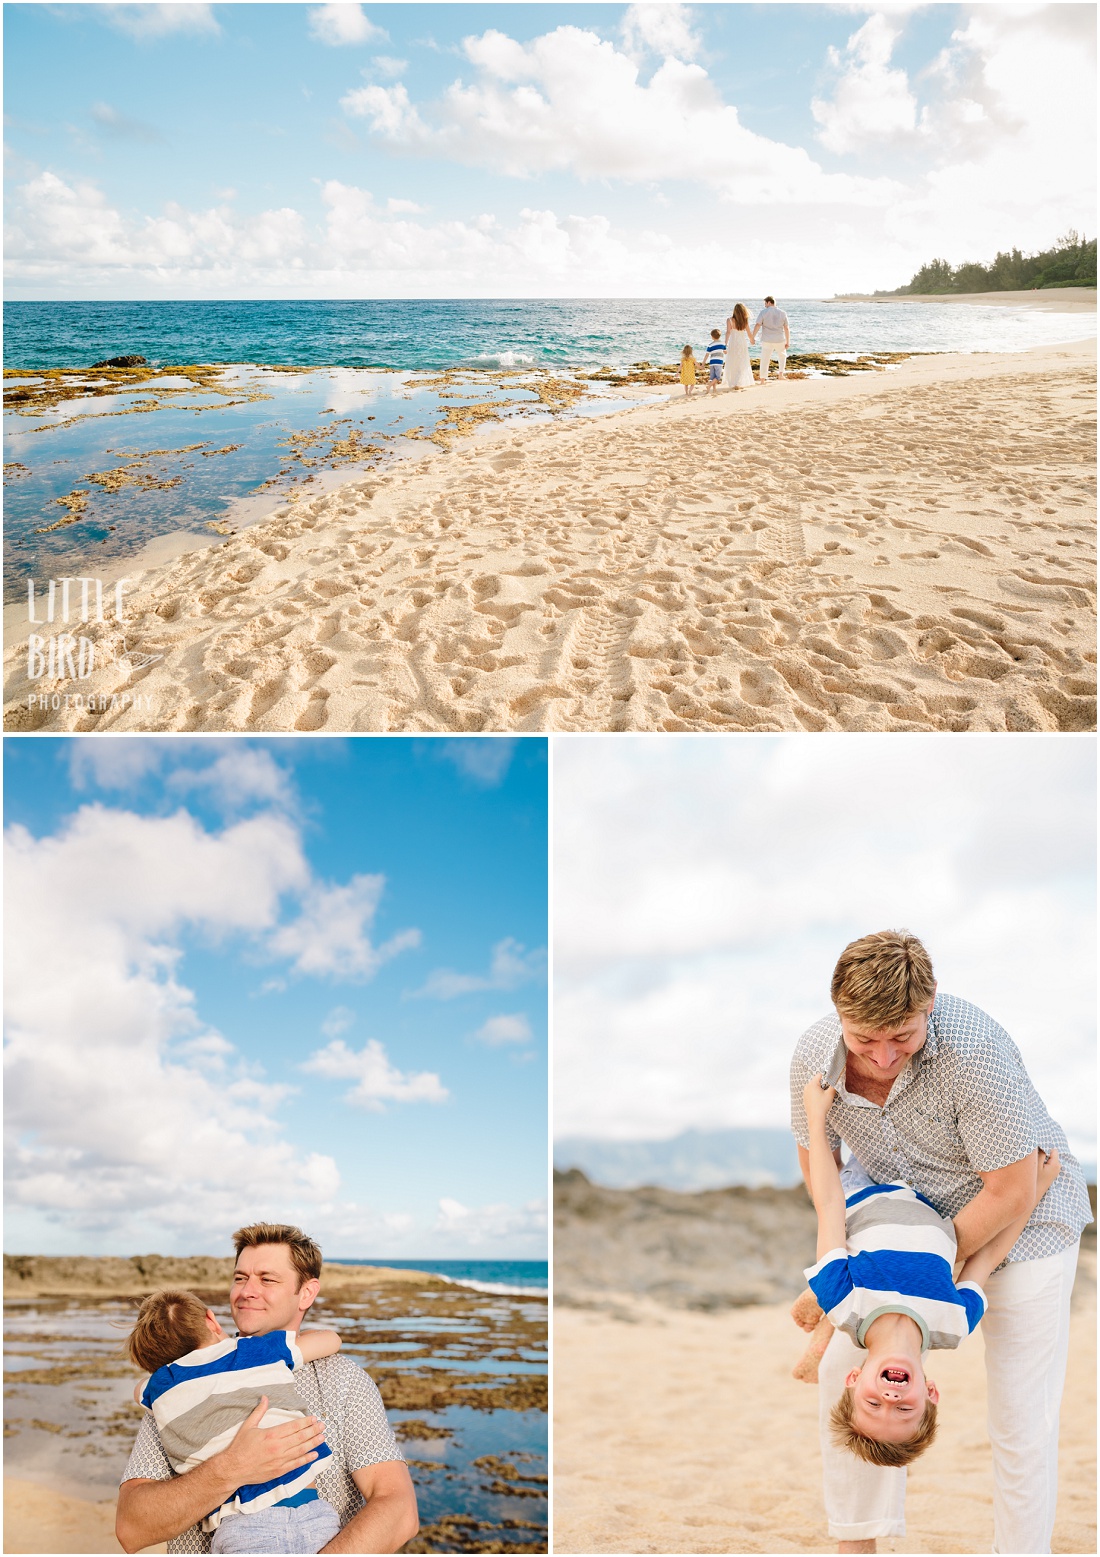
{"points": [[265, 1294], [883, 1053]]}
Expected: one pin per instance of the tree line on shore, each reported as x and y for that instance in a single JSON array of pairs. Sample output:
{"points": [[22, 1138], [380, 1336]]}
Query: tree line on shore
{"points": [[1070, 263]]}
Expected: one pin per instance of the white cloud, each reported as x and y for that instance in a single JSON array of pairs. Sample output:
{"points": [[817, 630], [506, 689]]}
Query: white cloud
{"points": [[161, 21], [660, 29], [240, 774], [404, 208], [128, 1118], [235, 773], [871, 103], [386, 65], [505, 1029], [121, 127], [484, 759], [485, 1226], [376, 1080], [341, 23], [569, 100], [119, 763], [704, 891], [330, 937], [339, 1019], [511, 965]]}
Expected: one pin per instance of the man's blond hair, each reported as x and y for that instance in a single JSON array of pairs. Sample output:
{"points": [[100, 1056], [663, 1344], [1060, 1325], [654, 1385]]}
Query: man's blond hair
{"points": [[846, 1435], [305, 1255], [881, 979]]}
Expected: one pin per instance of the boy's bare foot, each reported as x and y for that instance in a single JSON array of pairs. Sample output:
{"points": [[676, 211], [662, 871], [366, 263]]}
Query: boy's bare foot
{"points": [[806, 1311], [805, 1369]]}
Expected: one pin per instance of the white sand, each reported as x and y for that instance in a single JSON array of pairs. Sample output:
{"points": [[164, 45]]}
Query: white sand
{"points": [[685, 1433], [902, 551], [39, 1519], [1049, 300]]}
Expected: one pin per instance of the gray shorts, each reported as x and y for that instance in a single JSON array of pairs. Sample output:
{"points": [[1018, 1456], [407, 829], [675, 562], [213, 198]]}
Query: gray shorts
{"points": [[307, 1528]]}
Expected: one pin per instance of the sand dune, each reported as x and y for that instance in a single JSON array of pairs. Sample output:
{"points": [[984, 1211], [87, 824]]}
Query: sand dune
{"points": [[911, 551], [684, 1432]]}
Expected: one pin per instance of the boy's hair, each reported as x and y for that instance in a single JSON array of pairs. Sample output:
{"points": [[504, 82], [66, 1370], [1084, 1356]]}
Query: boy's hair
{"points": [[305, 1255], [169, 1325], [846, 1435], [881, 979], [715, 335]]}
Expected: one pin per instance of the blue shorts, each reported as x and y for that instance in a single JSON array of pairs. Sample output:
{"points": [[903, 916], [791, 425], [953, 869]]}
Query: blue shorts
{"points": [[715, 371], [307, 1528]]}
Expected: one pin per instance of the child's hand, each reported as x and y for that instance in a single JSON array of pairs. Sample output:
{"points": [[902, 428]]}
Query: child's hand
{"points": [[818, 1099], [1048, 1172]]}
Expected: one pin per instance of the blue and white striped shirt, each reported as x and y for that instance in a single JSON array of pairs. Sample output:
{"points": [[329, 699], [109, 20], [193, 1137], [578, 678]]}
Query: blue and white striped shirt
{"points": [[715, 353], [898, 1260], [199, 1402]]}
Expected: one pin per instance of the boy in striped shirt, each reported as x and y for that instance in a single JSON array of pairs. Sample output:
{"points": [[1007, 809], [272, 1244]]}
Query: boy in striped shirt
{"points": [[203, 1386], [715, 356], [884, 1275]]}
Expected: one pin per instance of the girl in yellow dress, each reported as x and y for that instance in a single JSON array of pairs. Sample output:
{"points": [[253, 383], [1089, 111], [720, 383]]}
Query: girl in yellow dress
{"points": [[687, 370]]}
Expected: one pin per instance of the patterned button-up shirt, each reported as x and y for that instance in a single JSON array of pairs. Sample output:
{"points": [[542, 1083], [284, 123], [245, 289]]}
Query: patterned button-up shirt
{"points": [[356, 1430], [963, 1105]]}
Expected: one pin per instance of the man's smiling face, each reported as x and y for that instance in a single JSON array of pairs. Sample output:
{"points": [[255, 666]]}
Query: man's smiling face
{"points": [[881, 1054], [266, 1294]]}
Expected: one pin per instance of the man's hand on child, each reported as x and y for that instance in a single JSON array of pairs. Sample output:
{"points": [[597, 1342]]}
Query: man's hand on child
{"points": [[818, 1099], [264, 1453]]}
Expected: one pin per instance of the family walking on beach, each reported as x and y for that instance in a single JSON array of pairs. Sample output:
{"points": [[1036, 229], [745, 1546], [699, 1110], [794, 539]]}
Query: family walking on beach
{"points": [[960, 1204], [727, 359]]}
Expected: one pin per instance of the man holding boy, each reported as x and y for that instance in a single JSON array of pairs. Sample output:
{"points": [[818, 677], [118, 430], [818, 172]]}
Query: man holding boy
{"points": [[276, 1279], [930, 1090]]}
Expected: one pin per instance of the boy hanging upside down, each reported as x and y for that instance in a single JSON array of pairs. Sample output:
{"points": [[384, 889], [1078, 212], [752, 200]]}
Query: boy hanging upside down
{"points": [[884, 1275]]}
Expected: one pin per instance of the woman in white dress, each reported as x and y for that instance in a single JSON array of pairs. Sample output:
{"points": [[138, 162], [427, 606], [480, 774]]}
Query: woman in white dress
{"points": [[738, 370]]}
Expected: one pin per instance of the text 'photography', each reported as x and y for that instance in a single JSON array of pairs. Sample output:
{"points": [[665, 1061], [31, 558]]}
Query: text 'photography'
{"points": [[275, 1243]]}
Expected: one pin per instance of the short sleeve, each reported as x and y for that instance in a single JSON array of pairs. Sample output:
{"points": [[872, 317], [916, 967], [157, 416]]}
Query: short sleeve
{"points": [[830, 1280], [974, 1301], [367, 1435], [148, 1461], [995, 1104], [802, 1072]]}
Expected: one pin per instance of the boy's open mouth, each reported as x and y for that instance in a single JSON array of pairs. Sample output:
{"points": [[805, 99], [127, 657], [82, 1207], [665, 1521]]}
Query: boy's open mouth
{"points": [[895, 1376]]}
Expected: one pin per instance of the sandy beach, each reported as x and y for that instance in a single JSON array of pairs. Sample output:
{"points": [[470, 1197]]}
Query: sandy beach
{"points": [[677, 1425], [903, 550], [684, 1432], [1048, 300]]}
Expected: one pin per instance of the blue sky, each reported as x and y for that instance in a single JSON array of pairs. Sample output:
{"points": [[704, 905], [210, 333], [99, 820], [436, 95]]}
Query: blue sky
{"points": [[302, 979], [511, 150], [703, 890]]}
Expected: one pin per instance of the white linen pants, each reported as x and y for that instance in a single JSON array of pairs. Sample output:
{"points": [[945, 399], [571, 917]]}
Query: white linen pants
{"points": [[1026, 1334], [769, 349]]}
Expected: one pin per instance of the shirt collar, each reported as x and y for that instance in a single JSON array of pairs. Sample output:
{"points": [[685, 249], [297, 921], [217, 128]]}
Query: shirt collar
{"points": [[837, 1067]]}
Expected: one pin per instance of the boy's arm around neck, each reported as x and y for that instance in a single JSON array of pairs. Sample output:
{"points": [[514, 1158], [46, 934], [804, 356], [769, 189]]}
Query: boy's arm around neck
{"points": [[314, 1344]]}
